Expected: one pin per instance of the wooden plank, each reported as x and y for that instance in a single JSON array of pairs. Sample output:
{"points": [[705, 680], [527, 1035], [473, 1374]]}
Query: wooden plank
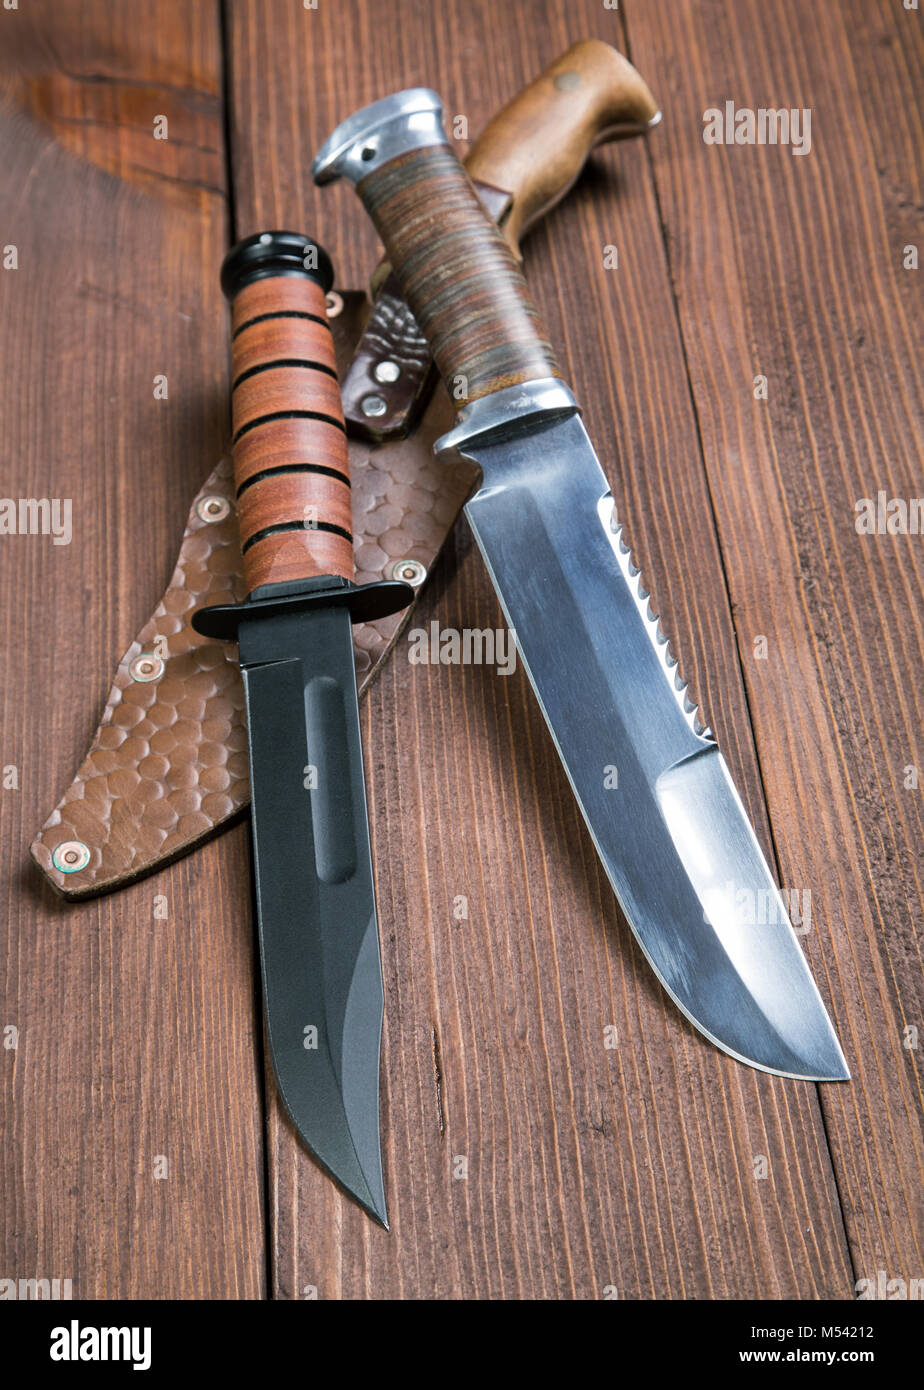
{"points": [[588, 1169], [793, 268], [131, 1111]]}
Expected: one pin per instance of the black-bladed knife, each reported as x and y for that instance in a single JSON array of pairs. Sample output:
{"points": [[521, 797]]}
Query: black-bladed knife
{"points": [[319, 948]]}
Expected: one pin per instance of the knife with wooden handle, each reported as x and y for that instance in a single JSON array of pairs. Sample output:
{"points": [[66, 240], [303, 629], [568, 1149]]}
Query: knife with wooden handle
{"points": [[524, 162]]}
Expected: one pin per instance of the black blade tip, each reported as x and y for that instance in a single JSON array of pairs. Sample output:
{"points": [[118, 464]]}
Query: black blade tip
{"points": [[381, 1218]]}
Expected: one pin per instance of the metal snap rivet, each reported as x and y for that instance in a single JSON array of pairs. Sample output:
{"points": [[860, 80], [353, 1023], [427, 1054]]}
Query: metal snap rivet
{"points": [[146, 667], [386, 372], [373, 406], [71, 857], [213, 508], [411, 571], [334, 303]]}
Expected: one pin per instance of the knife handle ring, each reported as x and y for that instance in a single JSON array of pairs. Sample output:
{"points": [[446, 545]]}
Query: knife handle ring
{"points": [[291, 466]]}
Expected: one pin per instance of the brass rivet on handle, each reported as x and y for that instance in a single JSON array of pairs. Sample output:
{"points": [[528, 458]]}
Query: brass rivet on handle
{"points": [[386, 371], [146, 667], [411, 571], [334, 304], [212, 508], [71, 857]]}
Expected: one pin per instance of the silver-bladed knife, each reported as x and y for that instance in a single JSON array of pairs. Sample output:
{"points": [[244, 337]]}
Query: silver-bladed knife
{"points": [[674, 837]]}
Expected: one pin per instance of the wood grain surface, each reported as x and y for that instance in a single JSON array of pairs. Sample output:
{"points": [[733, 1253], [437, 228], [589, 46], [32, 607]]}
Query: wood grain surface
{"points": [[792, 268], [524, 1157], [131, 1113]]}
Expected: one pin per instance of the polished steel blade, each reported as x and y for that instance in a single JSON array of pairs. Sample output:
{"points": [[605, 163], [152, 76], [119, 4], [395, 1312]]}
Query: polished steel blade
{"points": [[319, 948], [668, 824]]}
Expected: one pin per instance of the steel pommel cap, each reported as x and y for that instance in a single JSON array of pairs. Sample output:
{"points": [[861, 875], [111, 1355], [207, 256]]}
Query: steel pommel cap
{"points": [[269, 254], [409, 120]]}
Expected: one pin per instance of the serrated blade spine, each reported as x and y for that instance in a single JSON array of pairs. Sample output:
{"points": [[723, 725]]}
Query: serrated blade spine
{"points": [[659, 640]]}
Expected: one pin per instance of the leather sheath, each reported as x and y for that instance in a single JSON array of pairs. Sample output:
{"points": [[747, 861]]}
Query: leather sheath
{"points": [[168, 763]]}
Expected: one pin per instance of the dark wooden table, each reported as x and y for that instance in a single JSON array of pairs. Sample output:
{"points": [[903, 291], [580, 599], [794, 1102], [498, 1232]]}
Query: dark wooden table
{"points": [[144, 1152]]}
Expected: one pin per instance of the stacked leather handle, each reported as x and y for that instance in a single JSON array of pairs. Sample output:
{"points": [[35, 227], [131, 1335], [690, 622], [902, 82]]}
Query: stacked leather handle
{"points": [[522, 164], [291, 468], [459, 276]]}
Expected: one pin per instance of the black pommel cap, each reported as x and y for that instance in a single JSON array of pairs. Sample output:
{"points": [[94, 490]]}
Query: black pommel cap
{"points": [[275, 253]]}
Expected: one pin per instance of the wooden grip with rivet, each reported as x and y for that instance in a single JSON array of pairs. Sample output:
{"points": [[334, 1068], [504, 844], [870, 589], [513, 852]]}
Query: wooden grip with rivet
{"points": [[457, 272], [536, 147], [291, 467]]}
